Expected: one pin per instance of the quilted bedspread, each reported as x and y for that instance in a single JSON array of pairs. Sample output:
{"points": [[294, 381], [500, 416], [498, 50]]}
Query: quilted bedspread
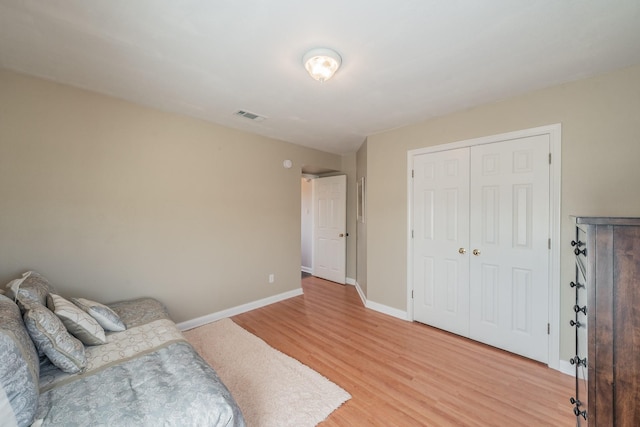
{"points": [[147, 375]]}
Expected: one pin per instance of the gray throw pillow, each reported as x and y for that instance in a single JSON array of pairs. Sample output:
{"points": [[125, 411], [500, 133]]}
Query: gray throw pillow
{"points": [[19, 368], [80, 324], [106, 317], [31, 287], [51, 337]]}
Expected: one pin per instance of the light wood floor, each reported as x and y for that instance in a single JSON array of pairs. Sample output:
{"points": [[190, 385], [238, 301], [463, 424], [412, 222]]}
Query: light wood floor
{"points": [[407, 374]]}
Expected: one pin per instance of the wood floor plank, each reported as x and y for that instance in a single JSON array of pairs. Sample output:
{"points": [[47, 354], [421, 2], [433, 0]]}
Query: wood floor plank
{"points": [[408, 374]]}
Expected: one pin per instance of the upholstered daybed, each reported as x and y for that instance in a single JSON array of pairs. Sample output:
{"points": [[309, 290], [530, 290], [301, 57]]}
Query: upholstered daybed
{"points": [[127, 366]]}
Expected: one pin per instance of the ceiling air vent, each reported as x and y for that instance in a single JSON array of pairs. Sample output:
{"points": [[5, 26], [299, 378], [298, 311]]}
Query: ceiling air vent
{"points": [[248, 115]]}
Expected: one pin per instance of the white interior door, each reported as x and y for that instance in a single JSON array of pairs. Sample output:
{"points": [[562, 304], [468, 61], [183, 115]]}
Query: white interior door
{"points": [[480, 243], [441, 236], [509, 281], [330, 228]]}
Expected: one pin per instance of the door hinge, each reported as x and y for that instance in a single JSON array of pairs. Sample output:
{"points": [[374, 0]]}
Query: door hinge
{"points": [[549, 243], [549, 158], [412, 294], [412, 173], [412, 234], [548, 328]]}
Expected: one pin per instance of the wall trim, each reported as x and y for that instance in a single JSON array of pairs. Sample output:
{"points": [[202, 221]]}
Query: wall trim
{"points": [[350, 281], [203, 320], [380, 308], [306, 269], [361, 293], [385, 309]]}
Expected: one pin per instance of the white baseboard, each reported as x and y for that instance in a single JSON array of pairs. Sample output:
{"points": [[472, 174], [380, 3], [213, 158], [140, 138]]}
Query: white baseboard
{"points": [[385, 309], [381, 308], [203, 320], [350, 281], [363, 298], [306, 269], [567, 368]]}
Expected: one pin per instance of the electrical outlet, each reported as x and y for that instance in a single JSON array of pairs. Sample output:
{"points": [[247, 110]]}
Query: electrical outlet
{"points": [[272, 278]]}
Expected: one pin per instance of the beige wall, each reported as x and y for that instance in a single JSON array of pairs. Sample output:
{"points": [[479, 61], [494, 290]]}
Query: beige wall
{"points": [[112, 200], [600, 172]]}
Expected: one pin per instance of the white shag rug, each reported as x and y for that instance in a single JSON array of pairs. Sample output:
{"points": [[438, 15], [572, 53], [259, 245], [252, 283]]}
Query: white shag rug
{"points": [[271, 388]]}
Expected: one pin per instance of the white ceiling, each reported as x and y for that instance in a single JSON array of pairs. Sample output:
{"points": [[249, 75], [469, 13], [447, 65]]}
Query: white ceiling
{"points": [[403, 61]]}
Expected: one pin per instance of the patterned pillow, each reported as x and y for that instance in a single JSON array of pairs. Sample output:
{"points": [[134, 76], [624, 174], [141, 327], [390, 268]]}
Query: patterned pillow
{"points": [[77, 322], [106, 317], [31, 287], [19, 369], [49, 335]]}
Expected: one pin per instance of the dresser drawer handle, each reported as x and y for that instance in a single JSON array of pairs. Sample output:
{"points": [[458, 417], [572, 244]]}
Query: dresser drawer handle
{"points": [[579, 309], [577, 361], [579, 413]]}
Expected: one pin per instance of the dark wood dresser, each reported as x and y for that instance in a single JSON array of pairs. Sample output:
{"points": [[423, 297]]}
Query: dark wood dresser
{"points": [[607, 253]]}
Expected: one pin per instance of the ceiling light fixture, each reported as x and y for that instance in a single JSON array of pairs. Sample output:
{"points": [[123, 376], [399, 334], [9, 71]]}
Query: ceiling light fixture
{"points": [[321, 63]]}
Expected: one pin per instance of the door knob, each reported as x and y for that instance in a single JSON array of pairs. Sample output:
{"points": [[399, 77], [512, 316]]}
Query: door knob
{"points": [[462, 251], [476, 252]]}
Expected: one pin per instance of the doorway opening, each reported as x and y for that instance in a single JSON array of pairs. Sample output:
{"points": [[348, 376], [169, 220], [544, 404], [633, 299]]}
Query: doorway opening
{"points": [[323, 224]]}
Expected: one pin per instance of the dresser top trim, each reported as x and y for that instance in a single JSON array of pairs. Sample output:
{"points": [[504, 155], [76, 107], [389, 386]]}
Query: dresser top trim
{"points": [[606, 220]]}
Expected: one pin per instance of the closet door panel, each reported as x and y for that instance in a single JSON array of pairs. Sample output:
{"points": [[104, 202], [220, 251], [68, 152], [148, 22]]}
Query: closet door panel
{"points": [[509, 229], [441, 230]]}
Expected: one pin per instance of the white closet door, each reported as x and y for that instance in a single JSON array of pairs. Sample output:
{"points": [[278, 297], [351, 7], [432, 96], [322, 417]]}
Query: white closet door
{"points": [[509, 260], [441, 229]]}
